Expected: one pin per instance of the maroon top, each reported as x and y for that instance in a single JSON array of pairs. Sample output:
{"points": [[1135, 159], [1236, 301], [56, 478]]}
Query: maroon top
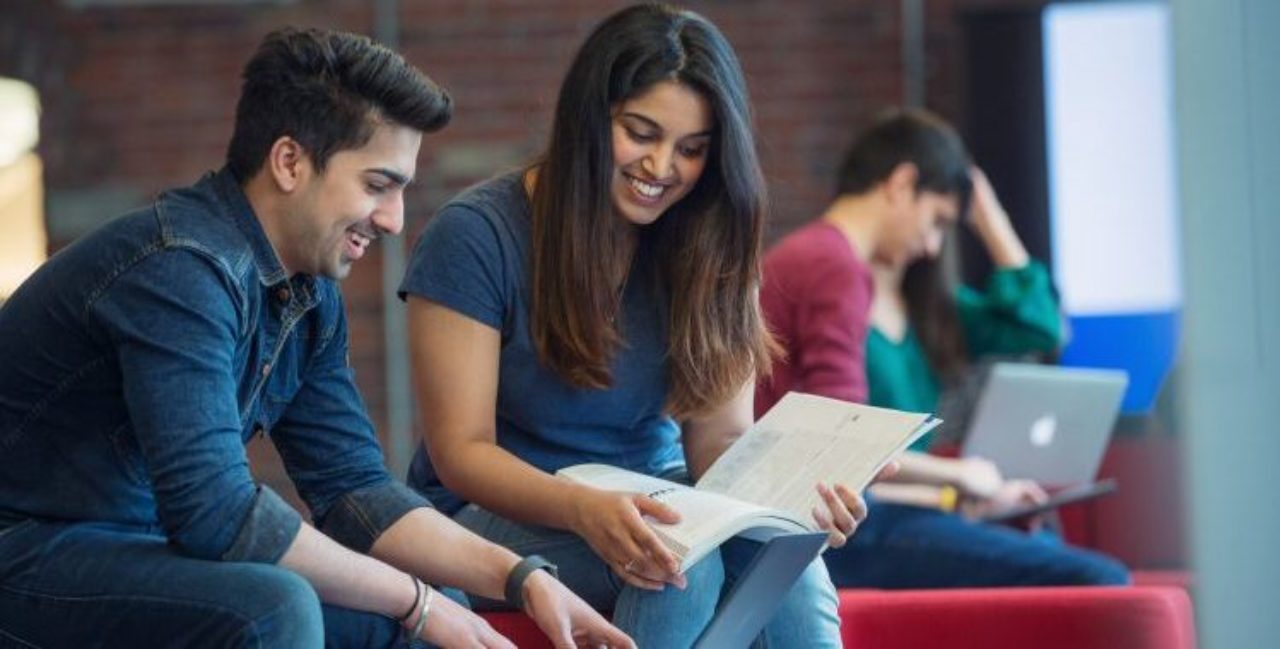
{"points": [[817, 301]]}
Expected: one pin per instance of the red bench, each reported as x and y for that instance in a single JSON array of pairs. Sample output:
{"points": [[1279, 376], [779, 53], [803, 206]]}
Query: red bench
{"points": [[1139, 617]]}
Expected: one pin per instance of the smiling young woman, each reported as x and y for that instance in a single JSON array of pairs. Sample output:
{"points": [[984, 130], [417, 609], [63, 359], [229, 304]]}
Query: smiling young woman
{"points": [[601, 305]]}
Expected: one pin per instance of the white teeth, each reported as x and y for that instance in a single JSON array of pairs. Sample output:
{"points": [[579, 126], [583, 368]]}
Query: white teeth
{"points": [[645, 189]]}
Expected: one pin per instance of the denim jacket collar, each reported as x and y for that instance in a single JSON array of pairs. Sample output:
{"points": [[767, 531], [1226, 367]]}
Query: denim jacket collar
{"points": [[271, 271]]}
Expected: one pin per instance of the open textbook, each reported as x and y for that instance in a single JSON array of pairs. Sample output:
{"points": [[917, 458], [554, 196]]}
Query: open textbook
{"points": [[763, 485]]}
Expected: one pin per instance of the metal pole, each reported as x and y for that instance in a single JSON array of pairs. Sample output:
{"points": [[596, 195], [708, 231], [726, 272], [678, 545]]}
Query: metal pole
{"points": [[400, 441]]}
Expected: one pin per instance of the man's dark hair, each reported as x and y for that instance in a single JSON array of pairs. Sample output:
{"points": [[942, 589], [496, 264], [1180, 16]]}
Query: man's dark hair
{"points": [[328, 90], [908, 135]]}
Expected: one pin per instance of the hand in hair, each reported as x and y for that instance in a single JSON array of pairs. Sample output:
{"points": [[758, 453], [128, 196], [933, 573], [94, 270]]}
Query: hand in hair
{"points": [[991, 223], [613, 525]]}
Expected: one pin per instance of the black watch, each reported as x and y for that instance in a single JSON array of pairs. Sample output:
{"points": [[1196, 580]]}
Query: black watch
{"points": [[515, 581]]}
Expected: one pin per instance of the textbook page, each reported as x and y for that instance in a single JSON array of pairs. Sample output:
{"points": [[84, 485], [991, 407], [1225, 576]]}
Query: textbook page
{"points": [[807, 439], [706, 519]]}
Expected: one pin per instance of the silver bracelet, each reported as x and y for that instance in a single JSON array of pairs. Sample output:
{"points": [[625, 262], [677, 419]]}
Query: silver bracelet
{"points": [[422, 616]]}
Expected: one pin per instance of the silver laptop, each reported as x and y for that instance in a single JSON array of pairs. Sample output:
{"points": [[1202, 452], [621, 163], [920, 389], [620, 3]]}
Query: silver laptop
{"points": [[1046, 423]]}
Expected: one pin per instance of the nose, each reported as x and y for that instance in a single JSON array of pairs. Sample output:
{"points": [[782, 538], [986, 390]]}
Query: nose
{"points": [[389, 218], [933, 244], [659, 161]]}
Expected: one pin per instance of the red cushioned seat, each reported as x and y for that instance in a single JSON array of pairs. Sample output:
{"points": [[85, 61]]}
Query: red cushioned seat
{"points": [[1141, 617]]}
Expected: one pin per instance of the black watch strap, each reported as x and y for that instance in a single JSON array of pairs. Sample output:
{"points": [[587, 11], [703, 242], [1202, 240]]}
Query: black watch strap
{"points": [[515, 581]]}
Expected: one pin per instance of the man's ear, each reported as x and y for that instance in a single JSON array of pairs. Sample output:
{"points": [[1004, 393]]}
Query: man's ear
{"points": [[288, 164], [902, 183]]}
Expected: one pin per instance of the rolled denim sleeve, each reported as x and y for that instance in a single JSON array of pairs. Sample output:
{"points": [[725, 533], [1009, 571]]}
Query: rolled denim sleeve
{"points": [[330, 450], [267, 531], [173, 319], [359, 517]]}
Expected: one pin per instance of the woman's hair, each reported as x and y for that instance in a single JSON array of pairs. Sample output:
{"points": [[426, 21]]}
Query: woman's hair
{"points": [[935, 317], [911, 135], [707, 246]]}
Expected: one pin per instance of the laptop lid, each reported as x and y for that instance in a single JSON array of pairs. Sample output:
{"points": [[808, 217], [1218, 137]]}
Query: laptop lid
{"points": [[1046, 423], [756, 595]]}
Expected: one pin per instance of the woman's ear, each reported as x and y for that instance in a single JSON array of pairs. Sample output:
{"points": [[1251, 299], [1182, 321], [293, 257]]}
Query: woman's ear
{"points": [[902, 183], [288, 164]]}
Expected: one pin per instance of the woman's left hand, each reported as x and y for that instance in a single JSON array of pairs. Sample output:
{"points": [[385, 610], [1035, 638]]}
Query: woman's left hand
{"points": [[845, 508], [1013, 493], [568, 621]]}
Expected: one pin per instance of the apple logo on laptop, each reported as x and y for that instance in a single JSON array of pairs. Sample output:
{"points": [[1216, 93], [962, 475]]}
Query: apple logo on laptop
{"points": [[1043, 430]]}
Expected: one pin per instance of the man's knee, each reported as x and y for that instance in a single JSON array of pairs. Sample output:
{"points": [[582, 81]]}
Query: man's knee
{"points": [[282, 610]]}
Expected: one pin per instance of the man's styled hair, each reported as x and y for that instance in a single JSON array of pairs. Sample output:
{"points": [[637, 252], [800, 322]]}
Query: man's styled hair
{"points": [[909, 135], [328, 90]]}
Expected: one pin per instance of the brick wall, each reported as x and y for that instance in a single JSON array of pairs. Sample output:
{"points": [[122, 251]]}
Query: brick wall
{"points": [[141, 98]]}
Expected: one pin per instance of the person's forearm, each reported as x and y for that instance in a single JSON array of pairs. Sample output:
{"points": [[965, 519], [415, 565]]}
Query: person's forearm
{"points": [[1003, 244], [348, 579], [487, 475], [923, 468], [917, 495], [426, 543]]}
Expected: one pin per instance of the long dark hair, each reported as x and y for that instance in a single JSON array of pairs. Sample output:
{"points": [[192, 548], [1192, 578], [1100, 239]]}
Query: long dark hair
{"points": [[708, 246], [935, 317]]}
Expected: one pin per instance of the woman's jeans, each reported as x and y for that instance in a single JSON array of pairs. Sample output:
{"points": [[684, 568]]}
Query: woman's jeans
{"points": [[910, 547], [672, 617], [94, 584]]}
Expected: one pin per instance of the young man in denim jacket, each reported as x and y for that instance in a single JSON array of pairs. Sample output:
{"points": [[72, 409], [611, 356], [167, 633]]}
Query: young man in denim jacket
{"points": [[140, 360]]}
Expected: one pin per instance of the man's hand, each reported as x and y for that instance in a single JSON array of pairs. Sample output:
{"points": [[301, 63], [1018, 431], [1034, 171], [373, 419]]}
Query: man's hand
{"points": [[451, 625], [567, 620], [612, 522]]}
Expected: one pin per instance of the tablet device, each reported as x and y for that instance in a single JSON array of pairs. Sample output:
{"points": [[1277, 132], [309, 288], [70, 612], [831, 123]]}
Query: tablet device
{"points": [[1066, 496]]}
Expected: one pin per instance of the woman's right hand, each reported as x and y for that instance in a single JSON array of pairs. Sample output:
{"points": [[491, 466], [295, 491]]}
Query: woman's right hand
{"points": [[978, 478], [451, 625], [612, 523]]}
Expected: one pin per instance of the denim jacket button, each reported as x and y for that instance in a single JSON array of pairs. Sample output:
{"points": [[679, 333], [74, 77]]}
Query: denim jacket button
{"points": [[283, 295], [266, 369]]}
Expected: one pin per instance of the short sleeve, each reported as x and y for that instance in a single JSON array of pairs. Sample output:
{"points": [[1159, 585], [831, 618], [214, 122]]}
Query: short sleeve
{"points": [[458, 263]]}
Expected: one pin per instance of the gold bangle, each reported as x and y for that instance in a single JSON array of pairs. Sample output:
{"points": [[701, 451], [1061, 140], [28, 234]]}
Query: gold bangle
{"points": [[948, 497]]}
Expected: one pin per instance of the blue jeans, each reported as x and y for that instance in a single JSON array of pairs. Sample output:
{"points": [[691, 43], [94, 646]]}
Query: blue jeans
{"points": [[910, 547], [95, 584], [808, 616]]}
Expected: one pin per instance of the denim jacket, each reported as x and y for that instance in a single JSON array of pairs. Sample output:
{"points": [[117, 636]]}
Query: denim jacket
{"points": [[137, 363]]}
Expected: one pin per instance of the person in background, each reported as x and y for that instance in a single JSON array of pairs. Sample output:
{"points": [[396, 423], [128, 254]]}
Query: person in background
{"points": [[139, 362], [858, 301], [600, 305]]}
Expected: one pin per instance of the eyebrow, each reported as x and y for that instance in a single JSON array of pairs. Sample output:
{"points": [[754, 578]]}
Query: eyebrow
{"points": [[652, 124], [395, 177]]}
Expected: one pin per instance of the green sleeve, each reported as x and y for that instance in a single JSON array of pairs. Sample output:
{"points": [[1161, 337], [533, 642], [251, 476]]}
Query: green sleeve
{"points": [[1017, 314]]}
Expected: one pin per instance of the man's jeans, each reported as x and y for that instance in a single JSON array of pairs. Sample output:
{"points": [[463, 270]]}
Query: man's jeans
{"points": [[910, 547], [672, 617], [89, 584]]}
